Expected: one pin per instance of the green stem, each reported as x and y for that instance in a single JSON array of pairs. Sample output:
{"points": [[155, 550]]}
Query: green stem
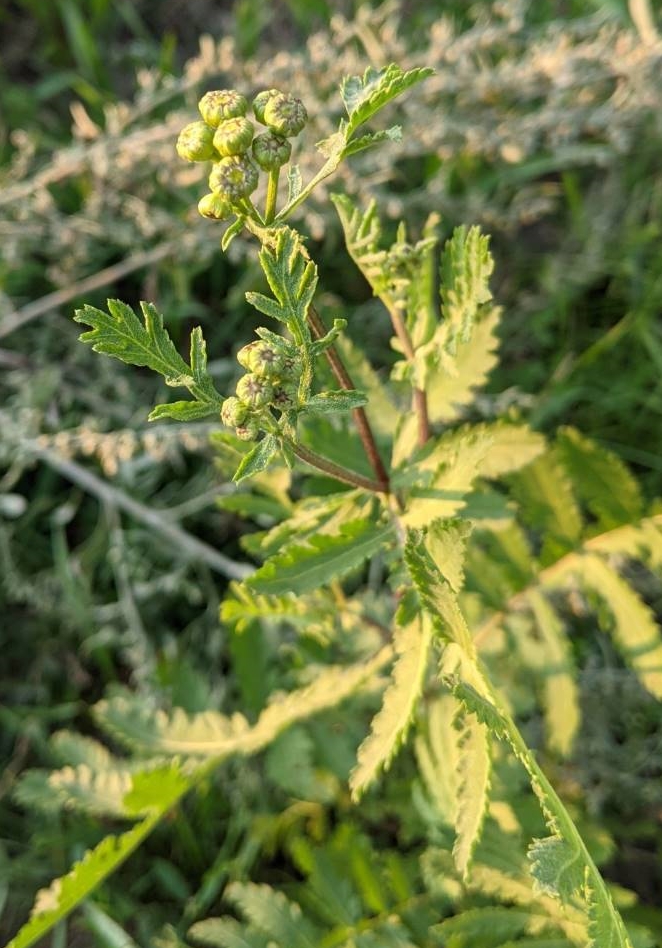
{"points": [[326, 466], [272, 195]]}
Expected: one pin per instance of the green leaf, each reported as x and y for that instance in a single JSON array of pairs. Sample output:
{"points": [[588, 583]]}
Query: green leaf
{"points": [[302, 568], [600, 479], [231, 232], [381, 409], [480, 927], [466, 267], [474, 767], [225, 933], [292, 277], [605, 928], [327, 402], [557, 867], [294, 183], [392, 134], [183, 411], [389, 727], [257, 459], [120, 333], [363, 96], [272, 913]]}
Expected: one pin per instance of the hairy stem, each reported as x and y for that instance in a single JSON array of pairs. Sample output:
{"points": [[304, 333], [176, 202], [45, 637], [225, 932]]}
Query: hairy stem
{"points": [[272, 194], [419, 398], [326, 466], [360, 418]]}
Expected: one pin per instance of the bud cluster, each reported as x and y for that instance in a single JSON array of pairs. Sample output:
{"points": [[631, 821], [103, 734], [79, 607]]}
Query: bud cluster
{"points": [[226, 137], [271, 381]]}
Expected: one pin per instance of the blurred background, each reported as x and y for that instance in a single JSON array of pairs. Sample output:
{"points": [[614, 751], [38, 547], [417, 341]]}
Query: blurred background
{"points": [[542, 124]]}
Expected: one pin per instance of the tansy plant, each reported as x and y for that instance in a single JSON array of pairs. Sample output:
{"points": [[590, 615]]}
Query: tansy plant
{"points": [[424, 502]]}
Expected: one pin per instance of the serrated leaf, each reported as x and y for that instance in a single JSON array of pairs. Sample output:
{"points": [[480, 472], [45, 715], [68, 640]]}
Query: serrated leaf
{"points": [[605, 928], [381, 410], [328, 402], [557, 867], [225, 933], [389, 727], [600, 479], [363, 96], [482, 927], [302, 568], [547, 502], [392, 134], [561, 693], [466, 267], [474, 768], [183, 411], [635, 630], [257, 459], [121, 334], [272, 913]]}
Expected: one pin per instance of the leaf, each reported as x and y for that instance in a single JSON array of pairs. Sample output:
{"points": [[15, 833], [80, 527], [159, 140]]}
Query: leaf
{"points": [[435, 593], [183, 411], [292, 277], [561, 694], [225, 933], [120, 333], [381, 410], [302, 568], [512, 448], [600, 479], [474, 767], [363, 96], [635, 629], [294, 183], [437, 755], [466, 267], [257, 459], [452, 382], [231, 232], [446, 541], [605, 928], [557, 867], [390, 725], [392, 134], [272, 913], [327, 402], [482, 926]]}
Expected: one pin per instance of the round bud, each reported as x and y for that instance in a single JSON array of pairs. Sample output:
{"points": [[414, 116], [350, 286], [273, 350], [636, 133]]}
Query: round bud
{"points": [[221, 104], [271, 151], [215, 206], [248, 432], [261, 100], [265, 361], [195, 142], [285, 115], [286, 395], [234, 177], [254, 391], [233, 412], [233, 136]]}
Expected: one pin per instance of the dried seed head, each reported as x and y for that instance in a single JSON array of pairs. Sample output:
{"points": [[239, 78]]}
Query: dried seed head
{"points": [[195, 142], [285, 115], [271, 151], [221, 104], [233, 136], [234, 177]]}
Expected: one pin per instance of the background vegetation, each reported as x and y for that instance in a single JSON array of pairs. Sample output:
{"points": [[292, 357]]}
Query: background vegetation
{"points": [[543, 125]]}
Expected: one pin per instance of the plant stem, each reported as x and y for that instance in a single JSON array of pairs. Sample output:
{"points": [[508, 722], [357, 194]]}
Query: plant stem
{"points": [[360, 418], [332, 469], [419, 398], [272, 195]]}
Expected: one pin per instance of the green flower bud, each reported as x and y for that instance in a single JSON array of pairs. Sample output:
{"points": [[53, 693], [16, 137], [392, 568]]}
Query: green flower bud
{"points": [[271, 151], [261, 100], [262, 359], [233, 412], [234, 177], [254, 391], [248, 432], [221, 104], [214, 206], [286, 395], [195, 142], [285, 115], [233, 136]]}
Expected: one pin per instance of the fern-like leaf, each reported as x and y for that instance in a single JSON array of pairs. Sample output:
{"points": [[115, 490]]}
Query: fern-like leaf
{"points": [[364, 96], [303, 568], [225, 933], [466, 267], [605, 928], [292, 277], [271, 912], [390, 726], [474, 767], [557, 867]]}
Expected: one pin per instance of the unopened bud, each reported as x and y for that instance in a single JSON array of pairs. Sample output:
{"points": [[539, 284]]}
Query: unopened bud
{"points": [[215, 206], [260, 101], [285, 115], [221, 104], [286, 395], [248, 432], [271, 151], [254, 391], [233, 136], [233, 412], [235, 177], [264, 360], [195, 142]]}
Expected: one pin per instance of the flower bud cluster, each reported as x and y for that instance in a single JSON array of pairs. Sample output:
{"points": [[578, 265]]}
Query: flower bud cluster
{"points": [[271, 381], [226, 137]]}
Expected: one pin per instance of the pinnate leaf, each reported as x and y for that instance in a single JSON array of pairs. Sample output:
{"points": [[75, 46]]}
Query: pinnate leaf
{"points": [[474, 767], [365, 95], [557, 867]]}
